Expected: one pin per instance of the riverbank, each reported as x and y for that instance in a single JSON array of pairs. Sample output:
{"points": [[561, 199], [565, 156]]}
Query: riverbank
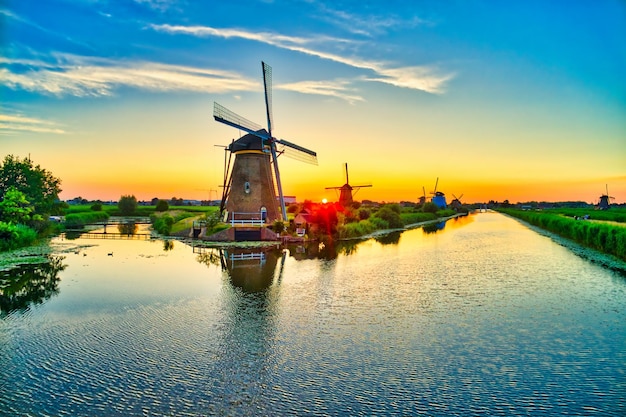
{"points": [[607, 239]]}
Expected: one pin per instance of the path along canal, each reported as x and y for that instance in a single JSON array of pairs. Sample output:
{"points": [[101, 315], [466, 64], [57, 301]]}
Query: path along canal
{"points": [[482, 317]]}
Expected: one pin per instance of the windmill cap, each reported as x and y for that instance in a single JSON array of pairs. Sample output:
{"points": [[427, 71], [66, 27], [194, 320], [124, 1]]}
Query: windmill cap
{"points": [[248, 142]]}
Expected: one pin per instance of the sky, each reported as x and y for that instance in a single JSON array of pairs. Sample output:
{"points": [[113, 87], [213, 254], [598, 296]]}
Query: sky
{"points": [[519, 101]]}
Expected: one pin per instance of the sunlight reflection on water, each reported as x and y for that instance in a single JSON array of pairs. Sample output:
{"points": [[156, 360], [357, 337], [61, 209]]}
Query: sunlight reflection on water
{"points": [[482, 317]]}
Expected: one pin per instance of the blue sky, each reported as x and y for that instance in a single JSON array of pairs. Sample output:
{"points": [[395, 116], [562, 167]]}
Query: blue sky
{"points": [[500, 100]]}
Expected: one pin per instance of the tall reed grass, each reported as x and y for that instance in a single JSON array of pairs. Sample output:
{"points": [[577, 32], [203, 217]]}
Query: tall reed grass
{"points": [[603, 237]]}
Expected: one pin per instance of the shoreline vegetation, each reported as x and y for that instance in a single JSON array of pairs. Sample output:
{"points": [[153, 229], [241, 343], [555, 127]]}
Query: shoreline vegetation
{"points": [[603, 231]]}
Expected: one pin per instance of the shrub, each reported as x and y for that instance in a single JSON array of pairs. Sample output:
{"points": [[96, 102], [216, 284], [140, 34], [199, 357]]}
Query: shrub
{"points": [[162, 224], [417, 217], [162, 205], [352, 230], [127, 205], [96, 207], [430, 207], [13, 236], [392, 216]]}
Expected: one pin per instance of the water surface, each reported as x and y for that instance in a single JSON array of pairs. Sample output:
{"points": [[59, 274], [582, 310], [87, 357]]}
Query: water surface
{"points": [[481, 317]]}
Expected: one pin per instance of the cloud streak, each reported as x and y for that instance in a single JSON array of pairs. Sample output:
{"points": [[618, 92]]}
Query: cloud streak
{"points": [[424, 78], [89, 76], [338, 89], [13, 123]]}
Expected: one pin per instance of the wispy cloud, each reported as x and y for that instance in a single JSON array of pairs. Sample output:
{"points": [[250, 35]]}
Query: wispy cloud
{"points": [[424, 78], [369, 25], [14, 123], [159, 5], [339, 89], [89, 76]]}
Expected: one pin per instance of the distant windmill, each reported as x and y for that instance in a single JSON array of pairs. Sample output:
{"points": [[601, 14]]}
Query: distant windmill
{"points": [[439, 198], [423, 197], [345, 195], [249, 186], [456, 203], [605, 202]]}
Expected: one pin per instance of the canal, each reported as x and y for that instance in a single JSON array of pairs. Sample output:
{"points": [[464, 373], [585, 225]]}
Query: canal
{"points": [[478, 316]]}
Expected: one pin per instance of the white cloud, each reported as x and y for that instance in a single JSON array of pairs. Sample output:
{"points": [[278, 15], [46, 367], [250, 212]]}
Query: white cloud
{"points": [[13, 123], [337, 89], [424, 78], [88, 76]]}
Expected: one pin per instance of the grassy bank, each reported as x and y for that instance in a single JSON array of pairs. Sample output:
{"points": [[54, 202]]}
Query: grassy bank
{"points": [[606, 238], [79, 220]]}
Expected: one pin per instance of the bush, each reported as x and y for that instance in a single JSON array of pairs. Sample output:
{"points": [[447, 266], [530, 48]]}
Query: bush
{"points": [[162, 205], [162, 224], [96, 207], [127, 205], [352, 230], [390, 214], [430, 207], [417, 217], [13, 236]]}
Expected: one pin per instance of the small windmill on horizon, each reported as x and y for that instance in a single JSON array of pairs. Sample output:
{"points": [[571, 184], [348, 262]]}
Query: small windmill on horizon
{"points": [[605, 200], [249, 191], [345, 191]]}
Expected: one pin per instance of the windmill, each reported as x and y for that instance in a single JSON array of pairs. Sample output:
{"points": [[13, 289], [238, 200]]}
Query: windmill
{"points": [[438, 198], [423, 197], [456, 203], [250, 186], [605, 202], [345, 194]]}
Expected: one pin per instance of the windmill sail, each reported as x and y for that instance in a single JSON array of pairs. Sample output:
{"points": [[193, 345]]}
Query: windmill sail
{"points": [[230, 118], [297, 152]]}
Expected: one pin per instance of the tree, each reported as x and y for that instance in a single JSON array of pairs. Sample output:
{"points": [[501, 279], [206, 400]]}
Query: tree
{"points": [[15, 208], [40, 188], [127, 205], [390, 215], [162, 205]]}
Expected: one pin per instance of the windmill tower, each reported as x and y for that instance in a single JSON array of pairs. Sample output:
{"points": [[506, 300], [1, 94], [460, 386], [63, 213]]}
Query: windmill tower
{"points": [[439, 198], [249, 193], [345, 191], [605, 202]]}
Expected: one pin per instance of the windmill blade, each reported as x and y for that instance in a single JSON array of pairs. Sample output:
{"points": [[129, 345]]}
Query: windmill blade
{"points": [[267, 84], [297, 152], [230, 118]]}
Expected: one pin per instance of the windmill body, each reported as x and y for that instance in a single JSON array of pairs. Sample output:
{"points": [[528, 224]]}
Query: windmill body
{"points": [[439, 198], [249, 197], [605, 200], [251, 192]]}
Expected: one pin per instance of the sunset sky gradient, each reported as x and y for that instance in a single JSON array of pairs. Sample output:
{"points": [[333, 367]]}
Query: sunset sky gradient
{"points": [[500, 100]]}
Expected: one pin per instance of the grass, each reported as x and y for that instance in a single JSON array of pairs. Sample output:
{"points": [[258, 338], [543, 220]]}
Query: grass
{"points": [[606, 238]]}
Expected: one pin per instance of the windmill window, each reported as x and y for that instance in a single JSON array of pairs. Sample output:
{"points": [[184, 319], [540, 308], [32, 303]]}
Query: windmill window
{"points": [[263, 213], [246, 187]]}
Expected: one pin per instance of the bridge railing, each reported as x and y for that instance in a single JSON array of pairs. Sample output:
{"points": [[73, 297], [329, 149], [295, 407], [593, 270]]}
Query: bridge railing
{"points": [[247, 219]]}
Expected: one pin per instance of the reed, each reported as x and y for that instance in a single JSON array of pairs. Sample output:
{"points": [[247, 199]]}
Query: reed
{"points": [[606, 238], [79, 220]]}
